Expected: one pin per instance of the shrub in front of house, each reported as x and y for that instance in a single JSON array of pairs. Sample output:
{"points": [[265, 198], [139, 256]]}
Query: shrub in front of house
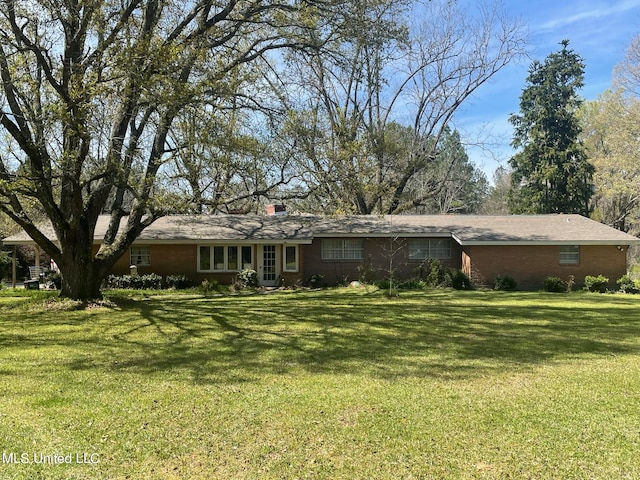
{"points": [[210, 286], [151, 281], [458, 279], [247, 278], [596, 284], [315, 281], [554, 284], [366, 273], [178, 282], [505, 283], [118, 281], [626, 284], [412, 284], [437, 275]]}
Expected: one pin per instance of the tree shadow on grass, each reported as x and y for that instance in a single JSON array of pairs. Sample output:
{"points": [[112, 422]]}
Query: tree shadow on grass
{"points": [[434, 335], [231, 340]]}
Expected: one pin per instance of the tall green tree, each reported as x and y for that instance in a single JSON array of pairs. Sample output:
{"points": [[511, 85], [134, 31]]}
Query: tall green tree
{"points": [[551, 173]]}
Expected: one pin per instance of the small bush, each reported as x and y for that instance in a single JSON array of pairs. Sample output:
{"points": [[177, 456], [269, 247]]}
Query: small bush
{"points": [[178, 282], [391, 293], [412, 284], [626, 284], [366, 272], [151, 281], [131, 281], [459, 280], [124, 281], [505, 283], [315, 281], [210, 286], [596, 284], [53, 280], [554, 284], [111, 281], [437, 275], [247, 278], [5, 263]]}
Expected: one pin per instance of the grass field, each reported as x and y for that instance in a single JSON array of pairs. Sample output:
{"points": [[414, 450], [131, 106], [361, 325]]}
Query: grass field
{"points": [[325, 384]]}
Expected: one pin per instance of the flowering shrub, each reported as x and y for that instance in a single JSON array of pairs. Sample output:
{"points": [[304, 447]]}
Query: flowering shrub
{"points": [[247, 278]]}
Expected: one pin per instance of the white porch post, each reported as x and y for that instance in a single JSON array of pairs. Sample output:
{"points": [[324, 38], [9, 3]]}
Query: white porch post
{"points": [[13, 267]]}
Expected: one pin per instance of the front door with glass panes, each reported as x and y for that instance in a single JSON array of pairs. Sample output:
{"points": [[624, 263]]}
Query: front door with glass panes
{"points": [[268, 267]]}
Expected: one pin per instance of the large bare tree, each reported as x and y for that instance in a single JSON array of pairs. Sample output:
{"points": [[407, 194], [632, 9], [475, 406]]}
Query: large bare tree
{"points": [[388, 69], [90, 90]]}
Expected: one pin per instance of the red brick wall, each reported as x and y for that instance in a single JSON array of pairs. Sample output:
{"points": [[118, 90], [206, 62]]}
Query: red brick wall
{"points": [[183, 260], [165, 260], [377, 253], [530, 265], [294, 278]]}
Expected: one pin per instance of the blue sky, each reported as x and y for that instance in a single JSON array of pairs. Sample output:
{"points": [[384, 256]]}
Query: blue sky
{"points": [[598, 30]]}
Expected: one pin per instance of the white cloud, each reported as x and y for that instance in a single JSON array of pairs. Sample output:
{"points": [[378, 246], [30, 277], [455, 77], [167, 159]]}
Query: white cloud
{"points": [[596, 12]]}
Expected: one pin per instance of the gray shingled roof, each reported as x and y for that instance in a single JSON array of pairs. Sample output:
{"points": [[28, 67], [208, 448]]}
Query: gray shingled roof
{"points": [[203, 228], [479, 229], [466, 229]]}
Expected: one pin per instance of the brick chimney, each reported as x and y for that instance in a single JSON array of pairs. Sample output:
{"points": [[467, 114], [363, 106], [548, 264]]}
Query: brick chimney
{"points": [[275, 209]]}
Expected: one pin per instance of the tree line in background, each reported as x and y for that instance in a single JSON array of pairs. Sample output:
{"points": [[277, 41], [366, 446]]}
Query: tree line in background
{"points": [[141, 108], [575, 156]]}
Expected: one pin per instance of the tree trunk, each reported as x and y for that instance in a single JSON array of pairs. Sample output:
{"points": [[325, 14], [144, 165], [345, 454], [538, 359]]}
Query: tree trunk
{"points": [[82, 274], [81, 281]]}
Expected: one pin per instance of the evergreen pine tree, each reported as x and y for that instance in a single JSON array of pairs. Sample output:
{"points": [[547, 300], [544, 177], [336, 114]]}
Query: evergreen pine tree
{"points": [[551, 173]]}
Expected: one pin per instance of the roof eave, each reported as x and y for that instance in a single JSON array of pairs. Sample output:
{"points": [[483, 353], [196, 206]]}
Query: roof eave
{"points": [[385, 235], [222, 241], [523, 243]]}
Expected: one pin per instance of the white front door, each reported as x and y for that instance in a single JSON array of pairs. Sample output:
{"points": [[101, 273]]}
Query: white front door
{"points": [[269, 265]]}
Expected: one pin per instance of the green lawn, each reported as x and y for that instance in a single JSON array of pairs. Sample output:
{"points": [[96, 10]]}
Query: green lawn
{"points": [[322, 384]]}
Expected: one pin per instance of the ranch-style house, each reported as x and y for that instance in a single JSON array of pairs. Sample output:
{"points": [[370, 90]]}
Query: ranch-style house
{"points": [[286, 249]]}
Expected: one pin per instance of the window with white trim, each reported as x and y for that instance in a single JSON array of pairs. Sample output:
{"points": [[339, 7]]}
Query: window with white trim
{"points": [[569, 254], [140, 255], [224, 258], [290, 258], [342, 249], [429, 248]]}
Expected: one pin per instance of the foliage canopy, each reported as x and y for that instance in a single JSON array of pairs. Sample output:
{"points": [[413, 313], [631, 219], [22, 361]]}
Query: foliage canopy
{"points": [[551, 173], [102, 102]]}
